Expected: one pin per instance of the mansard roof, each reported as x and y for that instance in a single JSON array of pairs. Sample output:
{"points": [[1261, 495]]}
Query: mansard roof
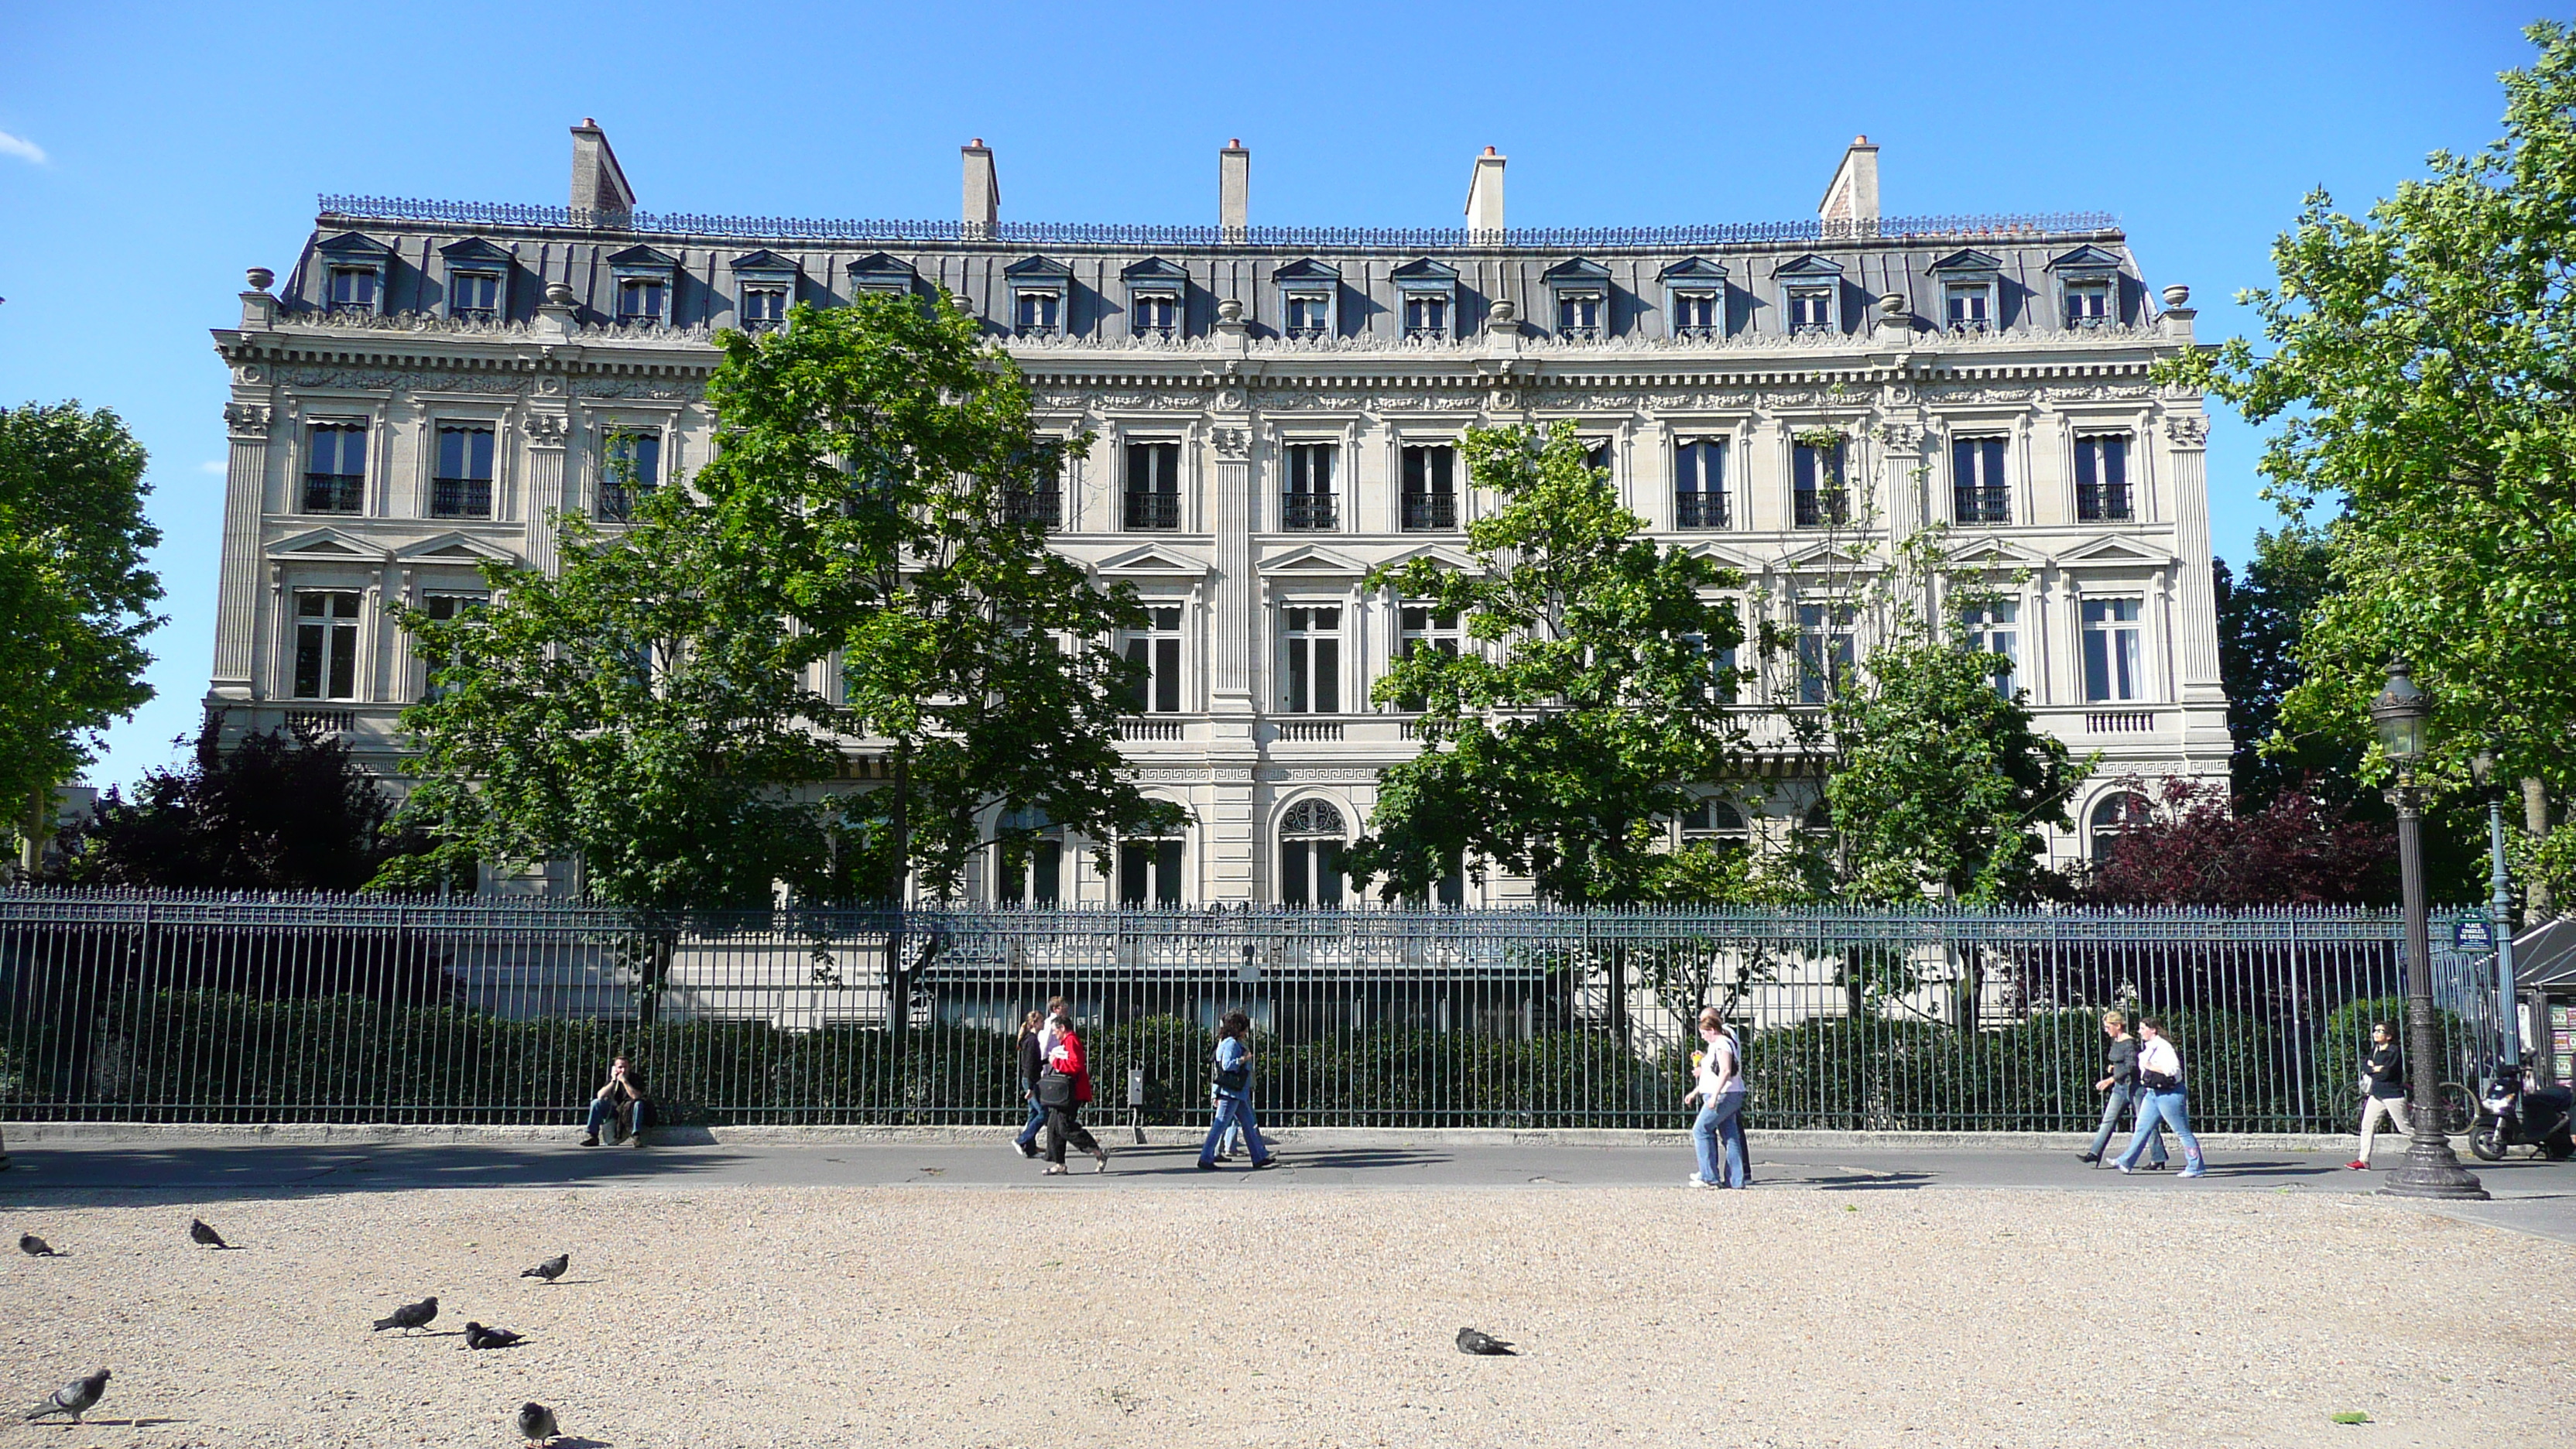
{"points": [[1036, 267], [356, 246], [475, 249], [1307, 269]]}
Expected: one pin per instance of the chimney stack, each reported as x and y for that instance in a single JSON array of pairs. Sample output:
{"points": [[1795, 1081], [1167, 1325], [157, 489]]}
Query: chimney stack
{"points": [[983, 204], [1233, 189], [598, 184], [1485, 194], [1853, 197]]}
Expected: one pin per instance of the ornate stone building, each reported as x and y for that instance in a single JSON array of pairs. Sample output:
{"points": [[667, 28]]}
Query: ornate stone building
{"points": [[1276, 411]]}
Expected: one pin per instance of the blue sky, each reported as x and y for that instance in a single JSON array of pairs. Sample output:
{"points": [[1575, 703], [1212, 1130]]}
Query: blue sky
{"points": [[148, 154]]}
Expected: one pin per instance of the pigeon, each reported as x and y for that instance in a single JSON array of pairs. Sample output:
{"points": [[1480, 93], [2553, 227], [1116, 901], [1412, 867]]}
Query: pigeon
{"points": [[75, 1398], [1470, 1341], [537, 1423], [477, 1336], [410, 1315], [551, 1269], [36, 1247], [198, 1230]]}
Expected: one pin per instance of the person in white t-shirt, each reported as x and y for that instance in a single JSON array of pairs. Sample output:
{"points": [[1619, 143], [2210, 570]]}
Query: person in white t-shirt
{"points": [[2160, 1077], [1718, 1089]]}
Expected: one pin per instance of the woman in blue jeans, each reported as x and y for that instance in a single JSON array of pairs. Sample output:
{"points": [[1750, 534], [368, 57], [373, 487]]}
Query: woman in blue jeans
{"points": [[1234, 1092], [1719, 1091], [2160, 1073]]}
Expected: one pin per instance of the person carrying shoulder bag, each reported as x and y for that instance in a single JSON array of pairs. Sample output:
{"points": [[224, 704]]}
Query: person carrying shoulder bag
{"points": [[1234, 1093], [1062, 1090]]}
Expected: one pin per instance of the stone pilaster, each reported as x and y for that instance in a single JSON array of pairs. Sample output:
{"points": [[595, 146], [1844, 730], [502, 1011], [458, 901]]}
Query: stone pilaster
{"points": [[547, 496], [2187, 459], [237, 586]]}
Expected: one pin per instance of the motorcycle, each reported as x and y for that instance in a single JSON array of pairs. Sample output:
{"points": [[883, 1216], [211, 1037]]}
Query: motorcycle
{"points": [[2519, 1114]]}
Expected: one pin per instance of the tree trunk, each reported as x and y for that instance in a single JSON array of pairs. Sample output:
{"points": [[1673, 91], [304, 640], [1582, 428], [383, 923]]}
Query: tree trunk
{"points": [[898, 979], [2535, 821]]}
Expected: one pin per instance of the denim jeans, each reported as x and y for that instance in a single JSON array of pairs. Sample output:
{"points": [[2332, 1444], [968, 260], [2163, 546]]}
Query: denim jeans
{"points": [[600, 1108], [1234, 1112], [2169, 1108], [1232, 1141], [2125, 1098], [1028, 1137], [1720, 1130]]}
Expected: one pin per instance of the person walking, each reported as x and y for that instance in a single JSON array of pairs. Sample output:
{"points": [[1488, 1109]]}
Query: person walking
{"points": [[1718, 1090], [2383, 1087], [1234, 1093], [2160, 1073], [2120, 1079], [1031, 1051], [1063, 1089]]}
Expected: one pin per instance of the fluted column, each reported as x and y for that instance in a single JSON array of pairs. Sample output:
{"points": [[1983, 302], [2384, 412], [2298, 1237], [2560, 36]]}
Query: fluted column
{"points": [[2188, 458], [237, 587], [547, 431], [1230, 860]]}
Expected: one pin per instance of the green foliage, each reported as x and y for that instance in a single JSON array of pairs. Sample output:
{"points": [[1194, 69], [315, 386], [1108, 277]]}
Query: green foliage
{"points": [[75, 597], [2419, 374], [1592, 694], [2261, 619], [2346, 1045]]}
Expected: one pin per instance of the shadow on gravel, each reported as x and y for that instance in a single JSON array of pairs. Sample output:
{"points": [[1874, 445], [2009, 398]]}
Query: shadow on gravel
{"points": [[60, 1177]]}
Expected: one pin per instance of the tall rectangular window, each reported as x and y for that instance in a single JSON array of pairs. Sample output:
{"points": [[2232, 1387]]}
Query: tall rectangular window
{"points": [[444, 608], [2114, 668], [1824, 650], [1699, 483], [1419, 626], [1308, 502], [764, 309], [1596, 454], [1995, 629], [630, 468], [1811, 309], [2102, 479], [1725, 685], [643, 300], [1426, 317], [1157, 313], [326, 645], [1311, 673], [1038, 500], [1149, 873], [1153, 485], [1430, 498], [1157, 649], [1040, 314], [1977, 492], [353, 289], [1036, 879], [1818, 498], [462, 487], [1969, 306], [335, 468], [1695, 314], [2088, 304]]}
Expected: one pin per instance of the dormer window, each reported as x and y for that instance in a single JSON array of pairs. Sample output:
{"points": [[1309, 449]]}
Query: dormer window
{"points": [[353, 277], [644, 281], [1695, 293], [1157, 313], [1971, 291], [478, 280], [1429, 290], [1582, 292], [1155, 289], [1968, 306], [1810, 289], [354, 289], [1306, 293], [2088, 304], [1811, 309], [767, 283], [2088, 286], [1041, 292], [882, 276], [1309, 314], [764, 308]]}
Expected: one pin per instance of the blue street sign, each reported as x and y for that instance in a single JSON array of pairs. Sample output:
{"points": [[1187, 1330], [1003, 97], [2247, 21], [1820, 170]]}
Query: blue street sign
{"points": [[2472, 934]]}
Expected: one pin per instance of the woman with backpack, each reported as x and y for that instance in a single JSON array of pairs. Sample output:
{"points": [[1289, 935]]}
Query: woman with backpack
{"points": [[2160, 1073], [1234, 1093], [1063, 1089]]}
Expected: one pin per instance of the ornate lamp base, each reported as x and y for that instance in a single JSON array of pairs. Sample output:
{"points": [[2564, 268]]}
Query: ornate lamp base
{"points": [[2432, 1170]]}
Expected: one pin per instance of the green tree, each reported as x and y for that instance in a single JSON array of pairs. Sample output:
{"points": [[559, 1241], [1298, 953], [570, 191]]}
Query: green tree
{"points": [[2421, 372], [1594, 692], [2261, 619], [75, 597]]}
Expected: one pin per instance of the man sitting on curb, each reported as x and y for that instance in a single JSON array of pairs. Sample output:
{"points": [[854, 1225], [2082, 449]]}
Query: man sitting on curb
{"points": [[623, 1100]]}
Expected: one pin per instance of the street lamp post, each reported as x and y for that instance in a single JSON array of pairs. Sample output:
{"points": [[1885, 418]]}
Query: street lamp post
{"points": [[2401, 712], [2500, 907]]}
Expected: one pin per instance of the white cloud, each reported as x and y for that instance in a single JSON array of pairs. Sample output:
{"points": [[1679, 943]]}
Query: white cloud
{"points": [[23, 150], [215, 468]]}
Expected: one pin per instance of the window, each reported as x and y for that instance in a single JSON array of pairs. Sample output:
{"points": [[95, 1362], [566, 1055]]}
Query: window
{"points": [[444, 608], [1419, 626], [1596, 455], [1969, 305], [1038, 500], [2088, 304], [1153, 485], [630, 468], [1725, 684], [2102, 479], [1149, 873], [1041, 314], [1157, 313], [1430, 498], [355, 289], [1308, 503], [1811, 309], [1310, 855], [1699, 483], [764, 309], [326, 645], [1995, 629], [1818, 498], [767, 283], [1697, 314], [462, 487], [1578, 314], [1824, 650], [1977, 491], [1311, 674], [1310, 314], [642, 301], [1028, 859], [335, 468], [2115, 816], [1157, 650], [1426, 316], [474, 296], [1429, 290], [1715, 822], [2113, 669]]}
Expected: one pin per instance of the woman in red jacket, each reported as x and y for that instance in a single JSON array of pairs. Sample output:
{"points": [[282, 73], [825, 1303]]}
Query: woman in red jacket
{"points": [[1063, 1089]]}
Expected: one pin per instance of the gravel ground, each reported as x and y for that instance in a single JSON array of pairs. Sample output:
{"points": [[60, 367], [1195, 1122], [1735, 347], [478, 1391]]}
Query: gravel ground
{"points": [[1090, 1313]]}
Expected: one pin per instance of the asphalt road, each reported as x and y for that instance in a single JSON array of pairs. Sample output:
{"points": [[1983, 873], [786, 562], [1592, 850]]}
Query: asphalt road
{"points": [[2529, 1195]]}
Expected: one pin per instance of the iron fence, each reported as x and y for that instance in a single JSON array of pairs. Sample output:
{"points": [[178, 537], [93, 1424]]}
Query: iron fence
{"points": [[494, 1010]]}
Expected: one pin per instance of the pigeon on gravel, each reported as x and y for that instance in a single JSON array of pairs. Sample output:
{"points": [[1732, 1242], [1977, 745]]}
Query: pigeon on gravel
{"points": [[36, 1247], [477, 1336], [198, 1231], [410, 1315], [551, 1269], [537, 1423], [1470, 1341], [75, 1398]]}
